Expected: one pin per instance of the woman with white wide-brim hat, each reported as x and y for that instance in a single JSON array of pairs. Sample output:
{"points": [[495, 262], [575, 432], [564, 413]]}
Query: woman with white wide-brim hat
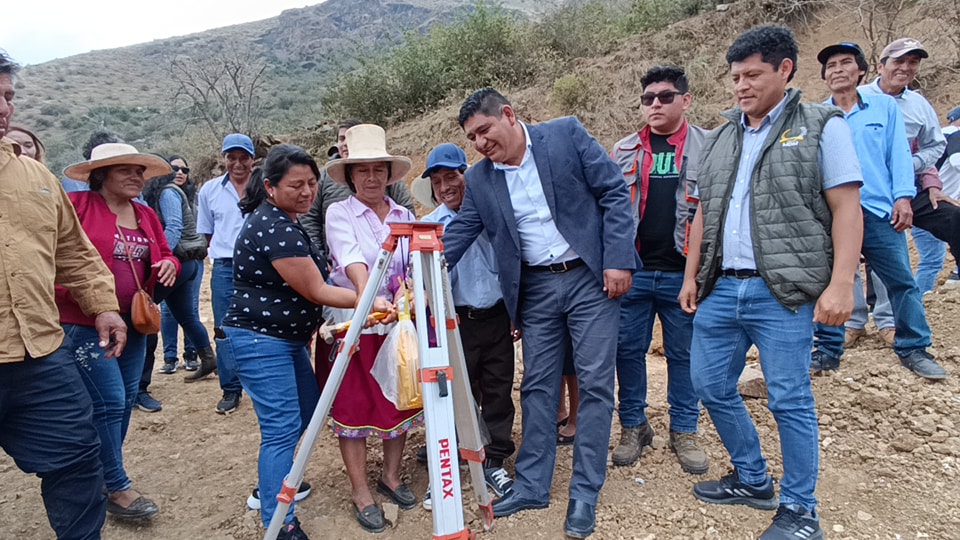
{"points": [[131, 242], [356, 228]]}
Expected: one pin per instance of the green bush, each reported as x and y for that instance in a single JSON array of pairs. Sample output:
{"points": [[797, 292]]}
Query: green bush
{"points": [[652, 15], [484, 47], [571, 93], [581, 30]]}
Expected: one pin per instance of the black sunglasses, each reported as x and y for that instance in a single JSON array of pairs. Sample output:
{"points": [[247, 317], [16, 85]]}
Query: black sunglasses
{"points": [[184, 170], [665, 98]]}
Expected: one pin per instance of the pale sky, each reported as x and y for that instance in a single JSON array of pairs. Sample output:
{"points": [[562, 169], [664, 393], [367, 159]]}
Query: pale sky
{"points": [[35, 31]]}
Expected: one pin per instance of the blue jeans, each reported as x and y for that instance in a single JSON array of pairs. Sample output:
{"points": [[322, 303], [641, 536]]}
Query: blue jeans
{"points": [[932, 252], [179, 300], [46, 426], [557, 311], [653, 294], [221, 292], [112, 384], [277, 375], [737, 314], [169, 327], [886, 253]]}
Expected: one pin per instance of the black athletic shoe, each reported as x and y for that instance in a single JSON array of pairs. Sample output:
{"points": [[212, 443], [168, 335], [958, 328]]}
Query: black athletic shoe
{"points": [[730, 490], [789, 524], [229, 403], [821, 361]]}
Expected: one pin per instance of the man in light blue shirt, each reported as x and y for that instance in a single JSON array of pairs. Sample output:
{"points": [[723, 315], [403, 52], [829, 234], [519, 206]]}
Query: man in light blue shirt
{"points": [[219, 219], [936, 218], [485, 328], [881, 144]]}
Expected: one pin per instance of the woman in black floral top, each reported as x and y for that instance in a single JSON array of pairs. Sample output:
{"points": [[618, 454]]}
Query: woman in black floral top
{"points": [[276, 307]]}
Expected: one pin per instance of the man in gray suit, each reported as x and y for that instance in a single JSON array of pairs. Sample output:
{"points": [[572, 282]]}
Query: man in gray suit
{"points": [[557, 212]]}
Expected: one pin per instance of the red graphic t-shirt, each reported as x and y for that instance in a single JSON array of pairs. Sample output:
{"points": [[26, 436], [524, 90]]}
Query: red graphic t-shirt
{"points": [[137, 249]]}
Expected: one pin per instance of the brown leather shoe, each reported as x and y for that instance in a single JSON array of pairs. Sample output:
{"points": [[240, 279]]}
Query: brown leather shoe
{"points": [[852, 336], [887, 336], [632, 441], [692, 458]]}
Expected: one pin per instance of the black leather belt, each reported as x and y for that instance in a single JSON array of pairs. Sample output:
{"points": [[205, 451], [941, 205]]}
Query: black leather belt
{"points": [[557, 268], [476, 314], [740, 274]]}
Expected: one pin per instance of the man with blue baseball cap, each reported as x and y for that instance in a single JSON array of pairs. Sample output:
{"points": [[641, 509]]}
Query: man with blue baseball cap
{"points": [[484, 322], [219, 219]]}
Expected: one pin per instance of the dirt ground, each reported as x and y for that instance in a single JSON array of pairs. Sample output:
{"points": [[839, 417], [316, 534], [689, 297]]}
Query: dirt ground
{"points": [[890, 456]]}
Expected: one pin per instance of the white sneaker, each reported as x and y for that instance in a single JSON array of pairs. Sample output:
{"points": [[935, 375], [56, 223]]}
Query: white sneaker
{"points": [[253, 501], [427, 502]]}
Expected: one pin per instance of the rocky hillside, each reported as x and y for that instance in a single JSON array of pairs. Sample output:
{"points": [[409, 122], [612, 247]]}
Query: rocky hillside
{"points": [[130, 89]]}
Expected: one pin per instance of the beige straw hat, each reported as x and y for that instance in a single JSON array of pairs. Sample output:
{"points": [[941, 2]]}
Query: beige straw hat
{"points": [[110, 154], [368, 143]]}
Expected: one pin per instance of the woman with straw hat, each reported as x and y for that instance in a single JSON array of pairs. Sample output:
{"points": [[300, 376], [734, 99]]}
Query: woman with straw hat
{"points": [[356, 228], [130, 240]]}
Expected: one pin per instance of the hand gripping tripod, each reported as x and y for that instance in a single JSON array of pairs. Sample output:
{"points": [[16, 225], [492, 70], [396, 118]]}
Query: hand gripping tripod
{"points": [[448, 404]]}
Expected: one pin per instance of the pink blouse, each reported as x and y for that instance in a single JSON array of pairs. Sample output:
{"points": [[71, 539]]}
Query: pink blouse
{"points": [[356, 235]]}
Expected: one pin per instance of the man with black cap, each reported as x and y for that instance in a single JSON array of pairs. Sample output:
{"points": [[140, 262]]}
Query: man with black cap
{"points": [[220, 219], [933, 211], [879, 138], [484, 322]]}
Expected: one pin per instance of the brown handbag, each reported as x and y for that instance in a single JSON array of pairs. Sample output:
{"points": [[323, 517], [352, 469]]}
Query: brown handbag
{"points": [[144, 313]]}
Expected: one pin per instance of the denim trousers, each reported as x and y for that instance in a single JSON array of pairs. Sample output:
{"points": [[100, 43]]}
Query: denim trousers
{"points": [[221, 293], [887, 255], [558, 311], [170, 328], [654, 294], [739, 313], [46, 426], [932, 252], [278, 377], [112, 384], [181, 303]]}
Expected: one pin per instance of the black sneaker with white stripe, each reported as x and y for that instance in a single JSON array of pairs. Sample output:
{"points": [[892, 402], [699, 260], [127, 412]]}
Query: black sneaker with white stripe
{"points": [[730, 490], [498, 479], [253, 501], [790, 524]]}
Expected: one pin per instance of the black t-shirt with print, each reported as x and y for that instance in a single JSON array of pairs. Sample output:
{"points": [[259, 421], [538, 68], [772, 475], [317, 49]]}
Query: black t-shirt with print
{"points": [[655, 234], [262, 301]]}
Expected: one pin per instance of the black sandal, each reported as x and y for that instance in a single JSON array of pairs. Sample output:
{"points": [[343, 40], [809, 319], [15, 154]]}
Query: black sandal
{"points": [[565, 440], [370, 518]]}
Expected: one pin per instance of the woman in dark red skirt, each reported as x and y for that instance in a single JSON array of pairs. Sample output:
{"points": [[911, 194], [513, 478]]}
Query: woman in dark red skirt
{"points": [[356, 228]]}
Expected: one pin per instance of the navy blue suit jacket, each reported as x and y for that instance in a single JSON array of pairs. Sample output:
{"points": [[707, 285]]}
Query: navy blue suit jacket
{"points": [[585, 191]]}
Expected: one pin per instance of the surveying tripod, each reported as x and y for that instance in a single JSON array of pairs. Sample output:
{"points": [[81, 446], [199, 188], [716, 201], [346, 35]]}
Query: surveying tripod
{"points": [[448, 405]]}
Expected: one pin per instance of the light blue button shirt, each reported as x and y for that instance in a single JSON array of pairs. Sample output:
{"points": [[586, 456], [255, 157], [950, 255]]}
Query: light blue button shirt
{"points": [[473, 280], [540, 241], [219, 215], [878, 135], [838, 165], [921, 123]]}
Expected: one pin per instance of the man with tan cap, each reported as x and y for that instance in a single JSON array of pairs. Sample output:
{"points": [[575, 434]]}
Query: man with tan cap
{"points": [[935, 215], [46, 421]]}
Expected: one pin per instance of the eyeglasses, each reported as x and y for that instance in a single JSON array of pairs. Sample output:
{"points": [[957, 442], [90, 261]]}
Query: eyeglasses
{"points": [[665, 98], [184, 170]]}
